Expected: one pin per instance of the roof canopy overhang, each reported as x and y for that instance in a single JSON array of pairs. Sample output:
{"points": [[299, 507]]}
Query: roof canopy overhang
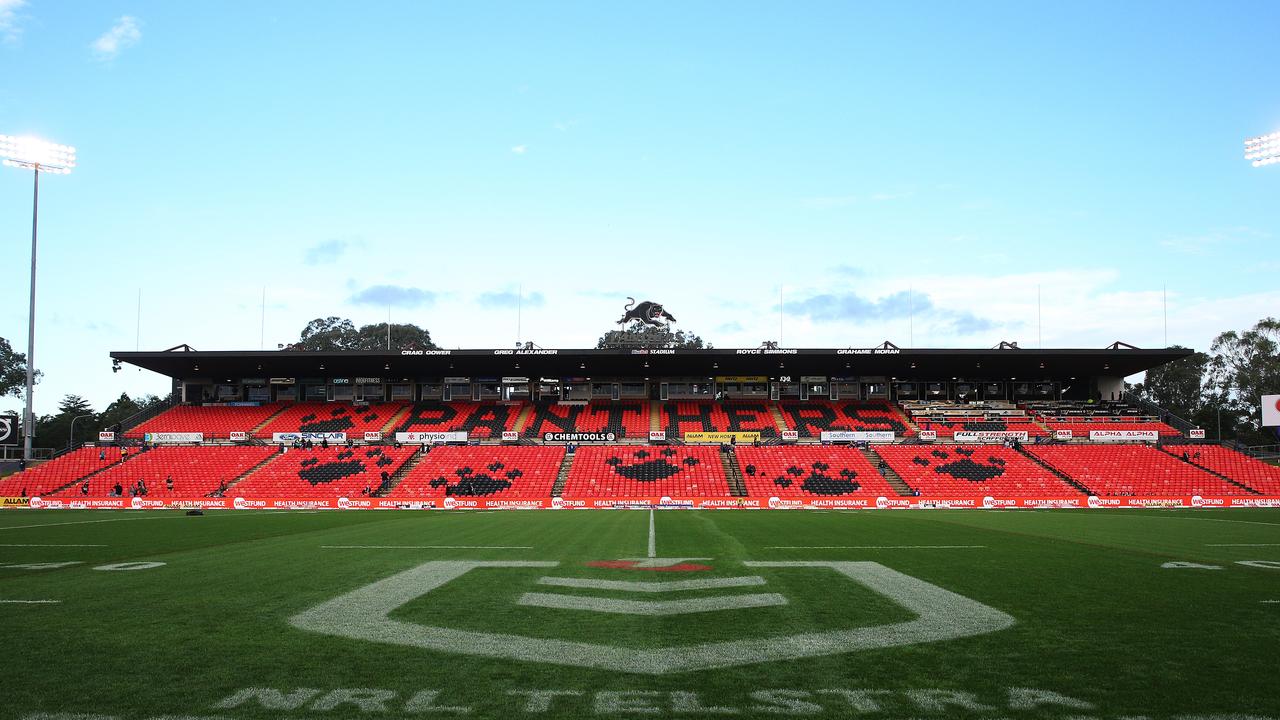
{"points": [[889, 362]]}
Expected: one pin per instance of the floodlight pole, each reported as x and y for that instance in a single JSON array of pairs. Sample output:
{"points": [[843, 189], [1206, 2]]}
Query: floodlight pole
{"points": [[28, 420]]}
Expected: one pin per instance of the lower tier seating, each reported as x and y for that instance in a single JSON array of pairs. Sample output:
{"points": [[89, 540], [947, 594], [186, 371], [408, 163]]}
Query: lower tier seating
{"points": [[215, 421], [1132, 470], [323, 472], [641, 472], [518, 472], [805, 471], [972, 471], [1236, 465], [50, 476], [625, 418], [196, 471], [811, 417]]}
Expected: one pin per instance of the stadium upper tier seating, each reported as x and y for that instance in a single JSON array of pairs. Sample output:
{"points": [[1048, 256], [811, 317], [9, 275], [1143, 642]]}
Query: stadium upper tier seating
{"points": [[215, 421], [806, 471], [1239, 467], [811, 417], [323, 472], [1132, 470], [951, 426], [479, 420], [1081, 428], [972, 471], [641, 472], [333, 417], [50, 476], [490, 471], [196, 471], [625, 418], [681, 417]]}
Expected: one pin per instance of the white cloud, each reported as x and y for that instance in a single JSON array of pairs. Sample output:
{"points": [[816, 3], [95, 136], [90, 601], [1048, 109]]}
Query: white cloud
{"points": [[10, 21], [825, 202], [1211, 242], [519, 149], [126, 33]]}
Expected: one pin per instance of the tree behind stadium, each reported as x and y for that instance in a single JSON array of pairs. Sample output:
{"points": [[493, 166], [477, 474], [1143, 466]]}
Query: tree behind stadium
{"points": [[650, 337], [13, 370], [333, 333]]}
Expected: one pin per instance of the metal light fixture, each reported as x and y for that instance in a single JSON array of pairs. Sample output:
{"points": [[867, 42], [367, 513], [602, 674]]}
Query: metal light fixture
{"points": [[29, 153]]}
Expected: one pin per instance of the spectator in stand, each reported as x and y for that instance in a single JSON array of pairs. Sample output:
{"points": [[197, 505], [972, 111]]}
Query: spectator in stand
{"points": [[118, 490], [84, 489], [124, 453], [324, 443], [168, 483], [102, 454], [24, 492]]}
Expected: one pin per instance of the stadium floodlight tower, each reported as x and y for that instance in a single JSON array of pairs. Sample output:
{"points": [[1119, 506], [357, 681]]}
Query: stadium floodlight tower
{"points": [[1263, 150], [38, 156]]}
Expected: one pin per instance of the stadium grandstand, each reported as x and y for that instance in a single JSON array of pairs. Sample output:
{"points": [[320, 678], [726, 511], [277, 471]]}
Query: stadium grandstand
{"points": [[765, 427]]}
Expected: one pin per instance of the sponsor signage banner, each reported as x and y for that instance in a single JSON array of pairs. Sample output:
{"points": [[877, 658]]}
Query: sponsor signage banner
{"points": [[312, 436], [174, 437], [790, 435], [8, 429], [1270, 410], [657, 436], [510, 436], [238, 436], [456, 381], [716, 503], [741, 379], [1123, 435], [871, 436], [928, 435], [430, 438], [106, 436], [372, 436], [1197, 433], [991, 436], [368, 381], [282, 381], [579, 437], [721, 437], [341, 381], [1063, 434], [514, 380]]}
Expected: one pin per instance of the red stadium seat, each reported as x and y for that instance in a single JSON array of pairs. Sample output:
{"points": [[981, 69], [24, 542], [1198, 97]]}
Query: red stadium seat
{"points": [[479, 420], [644, 472], [490, 471], [807, 471], [1112, 470], [811, 417], [196, 470], [707, 416], [47, 477], [215, 421], [626, 419], [323, 472], [972, 471]]}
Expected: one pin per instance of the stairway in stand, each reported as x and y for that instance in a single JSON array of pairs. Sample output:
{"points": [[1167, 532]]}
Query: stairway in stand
{"points": [[563, 476], [399, 474], [526, 409], [398, 417], [890, 475], [778, 419], [250, 471], [264, 423], [733, 473]]}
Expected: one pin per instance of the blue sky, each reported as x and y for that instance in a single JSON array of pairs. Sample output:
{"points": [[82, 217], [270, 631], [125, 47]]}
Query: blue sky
{"points": [[910, 171]]}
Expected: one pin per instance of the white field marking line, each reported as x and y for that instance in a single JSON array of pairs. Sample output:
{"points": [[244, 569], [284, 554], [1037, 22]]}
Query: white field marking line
{"points": [[30, 545], [1243, 545], [1269, 602], [873, 546], [29, 602], [1171, 516], [653, 587], [87, 522], [653, 537], [650, 607], [427, 547]]}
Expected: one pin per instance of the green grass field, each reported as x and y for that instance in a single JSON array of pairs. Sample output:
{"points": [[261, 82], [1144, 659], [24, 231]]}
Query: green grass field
{"points": [[911, 614]]}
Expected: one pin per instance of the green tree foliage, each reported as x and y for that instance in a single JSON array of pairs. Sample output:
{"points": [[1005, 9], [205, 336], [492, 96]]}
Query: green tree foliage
{"points": [[1246, 366], [333, 333], [639, 335], [1177, 387], [13, 370], [54, 431]]}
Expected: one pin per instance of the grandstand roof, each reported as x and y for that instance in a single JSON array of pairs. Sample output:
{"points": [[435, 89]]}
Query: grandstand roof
{"points": [[973, 364]]}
